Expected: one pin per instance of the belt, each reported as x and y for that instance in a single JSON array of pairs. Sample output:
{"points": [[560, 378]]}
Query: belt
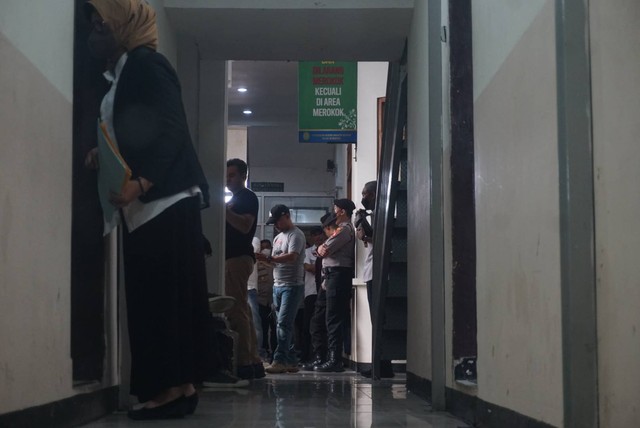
{"points": [[336, 269]]}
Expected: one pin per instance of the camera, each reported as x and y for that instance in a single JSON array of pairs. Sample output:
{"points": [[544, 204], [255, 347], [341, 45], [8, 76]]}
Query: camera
{"points": [[362, 222]]}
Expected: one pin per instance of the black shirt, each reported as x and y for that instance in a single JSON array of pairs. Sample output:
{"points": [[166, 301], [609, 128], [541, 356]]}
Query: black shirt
{"points": [[238, 243]]}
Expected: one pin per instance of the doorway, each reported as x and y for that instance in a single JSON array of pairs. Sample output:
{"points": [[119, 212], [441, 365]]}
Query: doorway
{"points": [[88, 271]]}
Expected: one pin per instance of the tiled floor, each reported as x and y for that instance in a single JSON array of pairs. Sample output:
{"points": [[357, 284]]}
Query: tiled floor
{"points": [[307, 400]]}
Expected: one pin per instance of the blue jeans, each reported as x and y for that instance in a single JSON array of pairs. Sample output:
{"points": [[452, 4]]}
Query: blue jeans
{"points": [[287, 299], [252, 298]]}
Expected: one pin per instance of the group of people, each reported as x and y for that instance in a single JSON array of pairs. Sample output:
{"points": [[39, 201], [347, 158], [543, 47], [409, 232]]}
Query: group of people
{"points": [[159, 209], [330, 275]]}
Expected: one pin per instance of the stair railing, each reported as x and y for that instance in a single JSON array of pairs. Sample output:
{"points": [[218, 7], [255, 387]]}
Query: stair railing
{"points": [[395, 117]]}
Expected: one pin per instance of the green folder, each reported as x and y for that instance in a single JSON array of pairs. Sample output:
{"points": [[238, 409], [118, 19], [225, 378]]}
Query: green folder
{"points": [[113, 172]]}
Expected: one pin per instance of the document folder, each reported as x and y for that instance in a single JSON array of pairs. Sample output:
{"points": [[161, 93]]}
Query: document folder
{"points": [[113, 172]]}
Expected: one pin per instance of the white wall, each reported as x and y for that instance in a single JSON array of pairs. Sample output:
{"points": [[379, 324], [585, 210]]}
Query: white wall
{"points": [[500, 33], [212, 131], [418, 187], [36, 81], [615, 37], [54, 22], [341, 162], [372, 84], [237, 143], [204, 94], [517, 214], [275, 155]]}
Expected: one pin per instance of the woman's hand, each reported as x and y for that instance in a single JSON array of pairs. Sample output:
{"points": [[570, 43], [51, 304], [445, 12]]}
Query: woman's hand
{"points": [[91, 160], [130, 192]]}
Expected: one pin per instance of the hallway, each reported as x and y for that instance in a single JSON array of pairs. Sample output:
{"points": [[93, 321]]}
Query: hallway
{"points": [[307, 400]]}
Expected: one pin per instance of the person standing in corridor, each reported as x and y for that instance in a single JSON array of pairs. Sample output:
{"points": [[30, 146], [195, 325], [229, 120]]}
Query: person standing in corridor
{"points": [[241, 215], [338, 254], [364, 233], [159, 209], [288, 285]]}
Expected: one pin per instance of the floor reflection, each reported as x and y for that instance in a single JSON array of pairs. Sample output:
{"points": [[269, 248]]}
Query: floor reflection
{"points": [[308, 400]]}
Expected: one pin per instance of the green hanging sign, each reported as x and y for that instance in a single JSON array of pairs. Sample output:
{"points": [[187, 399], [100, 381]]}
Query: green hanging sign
{"points": [[327, 102]]}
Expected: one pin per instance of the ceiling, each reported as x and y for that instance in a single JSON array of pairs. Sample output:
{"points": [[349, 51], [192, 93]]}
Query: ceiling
{"points": [[266, 38], [272, 93]]}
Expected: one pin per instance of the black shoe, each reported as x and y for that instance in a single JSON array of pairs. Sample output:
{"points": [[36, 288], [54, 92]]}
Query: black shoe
{"points": [[246, 372], [333, 364], [175, 409], [386, 370], [330, 367], [308, 367], [191, 402], [258, 371]]}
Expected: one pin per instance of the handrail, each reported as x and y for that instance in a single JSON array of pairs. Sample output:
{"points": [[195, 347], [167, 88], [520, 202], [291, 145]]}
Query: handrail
{"points": [[395, 115]]}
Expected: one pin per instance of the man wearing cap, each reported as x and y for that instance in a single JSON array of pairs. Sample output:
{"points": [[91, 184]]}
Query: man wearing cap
{"points": [[338, 254], [288, 285], [318, 324]]}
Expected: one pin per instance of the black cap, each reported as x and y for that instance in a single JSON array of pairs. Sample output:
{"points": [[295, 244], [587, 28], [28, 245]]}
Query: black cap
{"points": [[277, 212], [345, 204]]}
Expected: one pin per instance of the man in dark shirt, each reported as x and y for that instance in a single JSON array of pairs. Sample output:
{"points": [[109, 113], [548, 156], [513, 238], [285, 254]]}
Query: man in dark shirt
{"points": [[241, 214]]}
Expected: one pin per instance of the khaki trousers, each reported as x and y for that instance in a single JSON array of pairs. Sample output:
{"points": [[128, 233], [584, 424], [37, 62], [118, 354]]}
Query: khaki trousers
{"points": [[236, 274]]}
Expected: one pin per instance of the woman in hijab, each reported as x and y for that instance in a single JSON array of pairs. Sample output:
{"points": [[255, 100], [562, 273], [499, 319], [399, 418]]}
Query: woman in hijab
{"points": [[159, 208]]}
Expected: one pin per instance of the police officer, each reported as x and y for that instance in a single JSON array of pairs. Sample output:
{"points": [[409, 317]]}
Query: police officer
{"points": [[338, 254]]}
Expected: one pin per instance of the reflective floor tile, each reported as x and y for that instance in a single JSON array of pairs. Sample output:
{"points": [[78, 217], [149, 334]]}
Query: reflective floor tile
{"points": [[306, 400]]}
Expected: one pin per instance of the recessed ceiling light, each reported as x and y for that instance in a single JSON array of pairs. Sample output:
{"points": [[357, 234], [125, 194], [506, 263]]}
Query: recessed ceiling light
{"points": [[242, 89], [247, 111]]}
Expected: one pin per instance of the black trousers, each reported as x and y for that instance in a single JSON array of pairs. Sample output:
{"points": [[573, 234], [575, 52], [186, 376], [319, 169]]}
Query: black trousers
{"points": [[167, 304], [338, 283], [318, 325], [309, 309], [370, 299]]}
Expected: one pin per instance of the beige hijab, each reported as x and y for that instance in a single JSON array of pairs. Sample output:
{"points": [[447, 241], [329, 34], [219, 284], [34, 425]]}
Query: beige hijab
{"points": [[133, 22]]}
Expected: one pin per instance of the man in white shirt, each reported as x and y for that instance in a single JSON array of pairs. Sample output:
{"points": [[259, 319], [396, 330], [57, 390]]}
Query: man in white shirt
{"points": [[252, 295], [310, 289]]}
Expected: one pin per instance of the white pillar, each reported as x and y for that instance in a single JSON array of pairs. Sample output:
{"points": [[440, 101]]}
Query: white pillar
{"points": [[212, 143]]}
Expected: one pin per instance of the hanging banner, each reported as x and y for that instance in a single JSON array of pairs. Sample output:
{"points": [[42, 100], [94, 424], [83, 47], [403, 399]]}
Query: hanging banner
{"points": [[327, 102]]}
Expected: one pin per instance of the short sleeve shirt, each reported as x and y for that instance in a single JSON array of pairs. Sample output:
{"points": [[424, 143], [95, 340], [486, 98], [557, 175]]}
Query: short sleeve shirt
{"points": [[291, 241], [252, 283], [309, 278], [340, 247], [237, 243]]}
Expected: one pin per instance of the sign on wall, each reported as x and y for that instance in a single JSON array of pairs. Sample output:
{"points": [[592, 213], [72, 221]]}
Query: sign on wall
{"points": [[327, 102], [267, 186]]}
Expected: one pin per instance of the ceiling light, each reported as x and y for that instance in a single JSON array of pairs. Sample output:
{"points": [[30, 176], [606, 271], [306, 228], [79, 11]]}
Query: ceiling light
{"points": [[247, 111], [242, 89]]}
